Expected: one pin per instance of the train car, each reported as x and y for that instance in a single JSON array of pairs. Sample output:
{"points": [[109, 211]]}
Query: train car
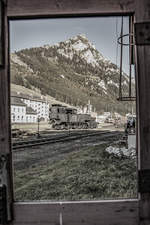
{"points": [[62, 117]]}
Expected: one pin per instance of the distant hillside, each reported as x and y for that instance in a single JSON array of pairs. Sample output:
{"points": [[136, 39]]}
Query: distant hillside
{"points": [[72, 72], [17, 89]]}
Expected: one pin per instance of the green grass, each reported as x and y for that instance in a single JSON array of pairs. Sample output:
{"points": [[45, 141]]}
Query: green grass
{"points": [[90, 173]]}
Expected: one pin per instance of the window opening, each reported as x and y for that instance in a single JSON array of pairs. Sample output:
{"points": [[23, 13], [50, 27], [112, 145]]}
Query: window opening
{"points": [[77, 142]]}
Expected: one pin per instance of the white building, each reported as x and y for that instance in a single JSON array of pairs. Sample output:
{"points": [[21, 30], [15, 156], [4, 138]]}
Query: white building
{"points": [[88, 108], [21, 113], [38, 105], [31, 115], [100, 118], [18, 111]]}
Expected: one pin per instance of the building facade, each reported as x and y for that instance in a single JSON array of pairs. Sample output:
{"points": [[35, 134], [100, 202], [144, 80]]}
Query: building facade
{"points": [[18, 111], [41, 107], [21, 113]]}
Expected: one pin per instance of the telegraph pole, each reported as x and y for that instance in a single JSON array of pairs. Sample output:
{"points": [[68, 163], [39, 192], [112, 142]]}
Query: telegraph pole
{"points": [[38, 132]]}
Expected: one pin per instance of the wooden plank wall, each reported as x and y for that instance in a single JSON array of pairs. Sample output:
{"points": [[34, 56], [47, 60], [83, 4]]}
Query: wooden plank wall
{"points": [[143, 79], [5, 137], [77, 213], [51, 7], [101, 213], [104, 213], [36, 214]]}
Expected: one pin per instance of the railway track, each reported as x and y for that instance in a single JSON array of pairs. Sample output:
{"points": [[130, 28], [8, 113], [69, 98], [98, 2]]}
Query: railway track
{"points": [[64, 138]]}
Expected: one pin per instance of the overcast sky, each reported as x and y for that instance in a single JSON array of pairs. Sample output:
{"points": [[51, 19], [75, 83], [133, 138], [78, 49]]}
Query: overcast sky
{"points": [[101, 31]]}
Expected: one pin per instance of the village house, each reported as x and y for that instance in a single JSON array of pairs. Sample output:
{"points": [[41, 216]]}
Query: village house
{"points": [[27, 108], [18, 111], [39, 105], [21, 113]]}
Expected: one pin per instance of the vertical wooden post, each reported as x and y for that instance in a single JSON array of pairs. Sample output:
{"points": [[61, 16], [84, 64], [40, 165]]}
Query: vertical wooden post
{"points": [[142, 15], [5, 139]]}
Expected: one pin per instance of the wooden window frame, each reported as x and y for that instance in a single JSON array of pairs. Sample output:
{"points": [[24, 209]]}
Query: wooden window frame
{"points": [[2, 52], [109, 212]]}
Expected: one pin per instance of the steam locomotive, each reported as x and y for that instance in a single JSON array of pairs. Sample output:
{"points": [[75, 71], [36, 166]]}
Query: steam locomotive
{"points": [[62, 117]]}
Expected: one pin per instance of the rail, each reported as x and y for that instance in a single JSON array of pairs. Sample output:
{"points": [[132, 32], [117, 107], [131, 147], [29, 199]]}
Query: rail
{"points": [[65, 138]]}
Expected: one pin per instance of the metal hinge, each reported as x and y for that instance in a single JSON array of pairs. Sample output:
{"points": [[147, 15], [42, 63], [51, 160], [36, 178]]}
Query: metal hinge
{"points": [[142, 33], [3, 204], [144, 181]]}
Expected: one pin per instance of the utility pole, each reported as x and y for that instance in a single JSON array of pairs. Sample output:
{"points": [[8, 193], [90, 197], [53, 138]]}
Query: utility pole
{"points": [[38, 132]]}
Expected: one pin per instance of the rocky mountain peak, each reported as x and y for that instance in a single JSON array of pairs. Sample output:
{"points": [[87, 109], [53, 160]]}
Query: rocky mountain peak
{"points": [[81, 47], [72, 71]]}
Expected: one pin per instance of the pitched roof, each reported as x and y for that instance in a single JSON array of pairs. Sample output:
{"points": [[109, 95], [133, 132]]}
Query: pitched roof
{"points": [[17, 101], [28, 97]]}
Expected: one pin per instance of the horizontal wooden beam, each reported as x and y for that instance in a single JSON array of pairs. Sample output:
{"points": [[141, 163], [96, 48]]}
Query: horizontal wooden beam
{"points": [[36, 213], [124, 212], [29, 8], [142, 16]]}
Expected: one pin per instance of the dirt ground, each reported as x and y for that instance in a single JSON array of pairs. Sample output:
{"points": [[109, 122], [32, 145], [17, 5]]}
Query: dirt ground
{"points": [[45, 126]]}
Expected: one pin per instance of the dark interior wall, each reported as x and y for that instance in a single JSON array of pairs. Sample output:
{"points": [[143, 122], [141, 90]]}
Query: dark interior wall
{"points": [[142, 16], [31, 8]]}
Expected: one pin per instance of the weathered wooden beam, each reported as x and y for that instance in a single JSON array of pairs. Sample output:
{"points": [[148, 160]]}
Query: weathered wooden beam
{"points": [[98, 213], [26, 8], [5, 134], [144, 181], [101, 213], [36, 213], [124, 212], [3, 204], [142, 15], [142, 33]]}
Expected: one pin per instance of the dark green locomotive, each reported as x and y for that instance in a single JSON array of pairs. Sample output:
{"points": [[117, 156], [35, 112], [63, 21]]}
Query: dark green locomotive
{"points": [[62, 117]]}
